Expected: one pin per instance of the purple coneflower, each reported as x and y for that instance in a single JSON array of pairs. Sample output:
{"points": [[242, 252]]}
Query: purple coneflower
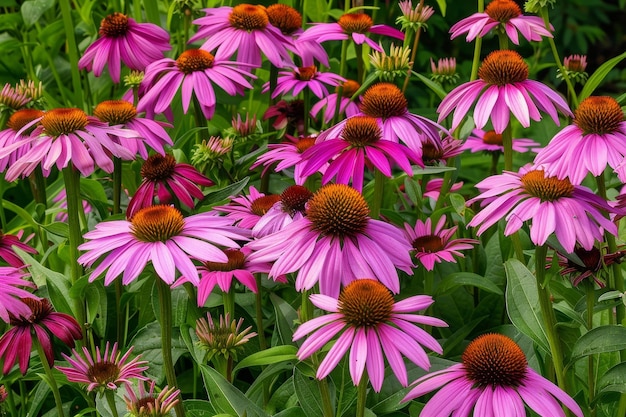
{"points": [[149, 403], [490, 141], [503, 87], [432, 189], [336, 243], [102, 372], [13, 294], [435, 244], [575, 66], [288, 114], [493, 380], [247, 210], [435, 155], [13, 98], [286, 155], [289, 208], [61, 198], [553, 205], [506, 14], [7, 252], [42, 320], [14, 133], [347, 106], [161, 235], [589, 264], [122, 38], [194, 73], [597, 138], [372, 326], [293, 82]]}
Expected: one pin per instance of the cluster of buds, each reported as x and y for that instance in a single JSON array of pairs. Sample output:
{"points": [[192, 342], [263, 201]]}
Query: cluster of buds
{"points": [[396, 64], [575, 66], [133, 79]]}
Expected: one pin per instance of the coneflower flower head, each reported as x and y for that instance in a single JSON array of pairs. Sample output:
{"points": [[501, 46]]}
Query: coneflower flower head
{"points": [[15, 132], [444, 72], [290, 207], [285, 18], [30, 89], [245, 128], [347, 106], [133, 79], [209, 151], [149, 403], [388, 67], [490, 141], [414, 18], [587, 264], [12, 99], [575, 66], [223, 337]]}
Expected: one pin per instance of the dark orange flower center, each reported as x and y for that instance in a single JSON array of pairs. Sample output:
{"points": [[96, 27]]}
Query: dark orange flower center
{"points": [[261, 205], [236, 260], [503, 10], [338, 210], [248, 17], [306, 73], [21, 118], [384, 100], [285, 18], [114, 25], [294, 199], [115, 112], [355, 23], [599, 115], [492, 138], [158, 167], [361, 131], [365, 303], [157, 223], [547, 189], [349, 87], [305, 143], [503, 67], [63, 121], [428, 244], [40, 309], [103, 372], [194, 60], [495, 360]]}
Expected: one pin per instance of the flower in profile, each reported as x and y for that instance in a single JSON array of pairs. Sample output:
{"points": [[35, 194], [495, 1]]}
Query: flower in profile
{"points": [[336, 243], [13, 295], [222, 338], [15, 133], [293, 82], [503, 15], [208, 152], [553, 205], [149, 132], [149, 403], [360, 145], [288, 114], [396, 64], [7, 251], [42, 320], [575, 66], [11, 98], [597, 138], [289, 208], [169, 181], [244, 128], [347, 106], [30, 89], [372, 326], [503, 87], [244, 29], [444, 72], [435, 244], [490, 141], [586, 264], [353, 26], [123, 39], [160, 235], [246, 210], [103, 371], [435, 155], [414, 18], [494, 379], [286, 155]]}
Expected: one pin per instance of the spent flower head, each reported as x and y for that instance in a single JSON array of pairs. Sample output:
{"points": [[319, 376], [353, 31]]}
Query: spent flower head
{"points": [[389, 66], [414, 18], [223, 336]]}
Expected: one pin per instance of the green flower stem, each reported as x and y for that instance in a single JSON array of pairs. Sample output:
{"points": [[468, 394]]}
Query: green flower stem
{"points": [[38, 186], [380, 181], [361, 395], [495, 157], [416, 42], [10, 399], [591, 379], [503, 40], [477, 47], [228, 299], [199, 118], [327, 405], [429, 285], [507, 143], [165, 304], [360, 64], [72, 52], [259, 313], [445, 186], [50, 379], [110, 396]]}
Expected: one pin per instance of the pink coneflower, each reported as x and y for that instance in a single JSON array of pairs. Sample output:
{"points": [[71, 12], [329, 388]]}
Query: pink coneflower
{"points": [[122, 38], [42, 320], [414, 18], [244, 29], [503, 14], [194, 72], [435, 155], [493, 380], [102, 372], [433, 188], [444, 72], [7, 252], [372, 326], [490, 141], [14, 133], [168, 180], [13, 294], [64, 136], [246, 210], [575, 66], [289, 208], [432, 245], [150, 132], [353, 26], [149, 403], [61, 198], [13, 98], [286, 155], [347, 106], [161, 235], [596, 139], [293, 82], [287, 113], [244, 128], [359, 145], [589, 264], [503, 87], [557, 206], [336, 243]]}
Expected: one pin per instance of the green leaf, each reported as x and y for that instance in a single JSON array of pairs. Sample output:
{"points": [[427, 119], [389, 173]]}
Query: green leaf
{"points": [[457, 279], [437, 89], [148, 343], [614, 379], [285, 317], [442, 5], [199, 408], [308, 393], [214, 197], [32, 10], [522, 302], [610, 295], [598, 76], [269, 356], [602, 339], [58, 228]]}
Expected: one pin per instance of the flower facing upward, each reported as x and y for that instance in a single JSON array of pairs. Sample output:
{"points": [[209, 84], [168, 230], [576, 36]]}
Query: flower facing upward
{"points": [[490, 141], [503, 87], [347, 106], [168, 180], [148, 403], [102, 372], [17, 342], [435, 244], [501, 14], [161, 235], [223, 337], [557, 206], [493, 380], [122, 38], [286, 155], [293, 82], [336, 243], [372, 326], [289, 208], [597, 138]]}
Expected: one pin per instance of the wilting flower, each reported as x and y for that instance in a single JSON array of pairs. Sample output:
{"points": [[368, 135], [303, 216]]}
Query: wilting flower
{"points": [[414, 18], [505, 14], [293, 82], [168, 180], [575, 66], [287, 113], [503, 87], [289, 208], [396, 64], [493, 380], [286, 155], [435, 244], [572, 212], [444, 72], [359, 145], [336, 243], [161, 235], [122, 38], [223, 338], [148, 403], [490, 141], [102, 372], [17, 342], [244, 29], [597, 138], [372, 326], [15, 133], [13, 99], [347, 106], [247, 210], [13, 294], [587, 265]]}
